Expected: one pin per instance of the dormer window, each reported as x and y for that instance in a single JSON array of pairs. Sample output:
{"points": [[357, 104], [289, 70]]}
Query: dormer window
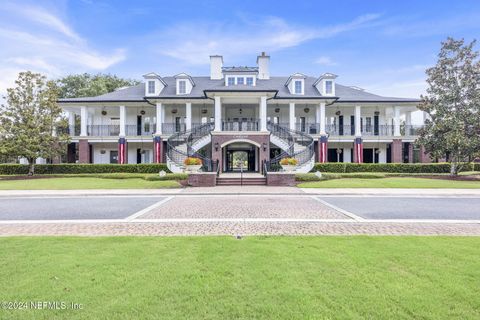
{"points": [[329, 87], [249, 81], [151, 87], [240, 80], [231, 81], [298, 87], [182, 87]]}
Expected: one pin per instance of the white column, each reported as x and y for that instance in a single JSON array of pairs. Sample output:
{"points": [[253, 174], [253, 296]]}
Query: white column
{"points": [[408, 118], [188, 115], [123, 120], [396, 121], [263, 113], [218, 114], [159, 116], [291, 115], [71, 122], [320, 115], [83, 121], [358, 116]]}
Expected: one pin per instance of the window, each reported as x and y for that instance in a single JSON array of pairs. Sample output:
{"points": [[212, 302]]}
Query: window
{"points": [[249, 81], [240, 80], [151, 87], [182, 87], [231, 81], [298, 87], [368, 124], [328, 87]]}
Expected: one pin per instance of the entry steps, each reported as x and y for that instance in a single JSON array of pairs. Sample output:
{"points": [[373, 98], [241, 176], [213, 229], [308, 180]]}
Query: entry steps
{"points": [[245, 181]]}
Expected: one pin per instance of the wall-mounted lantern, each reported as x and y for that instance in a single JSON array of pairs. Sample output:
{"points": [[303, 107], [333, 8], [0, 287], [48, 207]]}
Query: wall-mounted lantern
{"points": [[264, 145], [216, 146]]}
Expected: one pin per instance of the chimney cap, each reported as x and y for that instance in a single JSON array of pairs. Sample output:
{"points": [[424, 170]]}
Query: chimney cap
{"points": [[262, 55], [216, 56]]}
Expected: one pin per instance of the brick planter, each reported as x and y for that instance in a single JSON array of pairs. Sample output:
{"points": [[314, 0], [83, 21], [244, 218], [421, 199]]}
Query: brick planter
{"points": [[202, 179], [281, 179]]}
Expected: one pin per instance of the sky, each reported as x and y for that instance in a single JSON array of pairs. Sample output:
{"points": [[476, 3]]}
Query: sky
{"points": [[381, 46]]}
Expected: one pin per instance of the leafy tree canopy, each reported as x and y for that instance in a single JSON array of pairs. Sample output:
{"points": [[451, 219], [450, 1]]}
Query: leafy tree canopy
{"points": [[30, 119], [452, 103], [87, 85]]}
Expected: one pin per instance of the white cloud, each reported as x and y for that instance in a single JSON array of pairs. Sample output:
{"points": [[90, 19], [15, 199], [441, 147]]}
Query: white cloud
{"points": [[325, 61], [35, 39], [194, 42]]}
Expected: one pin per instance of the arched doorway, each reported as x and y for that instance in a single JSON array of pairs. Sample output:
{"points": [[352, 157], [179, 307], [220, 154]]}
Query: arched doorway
{"points": [[238, 156]]}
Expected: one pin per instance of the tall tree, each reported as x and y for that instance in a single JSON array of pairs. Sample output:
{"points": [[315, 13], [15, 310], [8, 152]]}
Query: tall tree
{"points": [[453, 105], [87, 85], [29, 119]]}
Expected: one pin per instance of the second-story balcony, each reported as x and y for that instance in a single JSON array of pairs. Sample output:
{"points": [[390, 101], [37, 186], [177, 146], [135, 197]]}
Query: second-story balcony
{"points": [[241, 125]]}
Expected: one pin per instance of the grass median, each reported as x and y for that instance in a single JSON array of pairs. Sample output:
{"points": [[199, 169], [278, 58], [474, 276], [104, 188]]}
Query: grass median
{"points": [[88, 181], [252, 278], [393, 182]]}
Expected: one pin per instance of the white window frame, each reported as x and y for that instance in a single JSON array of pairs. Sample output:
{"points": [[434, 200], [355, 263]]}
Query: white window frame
{"points": [[230, 79], [180, 83], [151, 86], [246, 81], [243, 80], [295, 86], [328, 82]]}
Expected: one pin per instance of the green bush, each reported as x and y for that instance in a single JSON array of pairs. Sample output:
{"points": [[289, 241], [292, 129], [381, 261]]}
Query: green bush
{"points": [[74, 168], [386, 167], [330, 176]]}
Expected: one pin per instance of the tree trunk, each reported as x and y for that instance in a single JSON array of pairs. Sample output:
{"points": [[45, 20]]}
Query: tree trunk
{"points": [[31, 166]]}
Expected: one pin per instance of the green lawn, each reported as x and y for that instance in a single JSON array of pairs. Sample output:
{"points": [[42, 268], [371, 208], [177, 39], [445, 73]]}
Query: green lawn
{"points": [[252, 278], [85, 183], [391, 183]]}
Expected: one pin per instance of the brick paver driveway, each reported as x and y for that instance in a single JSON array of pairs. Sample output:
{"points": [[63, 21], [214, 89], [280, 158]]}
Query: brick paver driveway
{"points": [[220, 214]]}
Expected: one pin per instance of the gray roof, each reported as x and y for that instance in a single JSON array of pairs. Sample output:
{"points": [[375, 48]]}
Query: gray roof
{"points": [[274, 84], [240, 69]]}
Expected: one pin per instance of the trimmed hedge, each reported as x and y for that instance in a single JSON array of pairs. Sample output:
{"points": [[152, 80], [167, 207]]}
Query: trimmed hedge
{"points": [[73, 168], [389, 167]]}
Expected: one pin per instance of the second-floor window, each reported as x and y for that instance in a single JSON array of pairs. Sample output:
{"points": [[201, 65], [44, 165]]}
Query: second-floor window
{"points": [[182, 87], [328, 87], [231, 81], [249, 81], [240, 80], [151, 87], [298, 87]]}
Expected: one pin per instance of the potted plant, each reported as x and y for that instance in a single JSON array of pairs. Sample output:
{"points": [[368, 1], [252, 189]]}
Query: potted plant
{"points": [[288, 164], [192, 164]]}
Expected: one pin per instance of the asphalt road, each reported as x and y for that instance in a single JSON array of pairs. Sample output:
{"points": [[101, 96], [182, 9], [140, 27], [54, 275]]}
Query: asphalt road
{"points": [[409, 207], [73, 208], [120, 207]]}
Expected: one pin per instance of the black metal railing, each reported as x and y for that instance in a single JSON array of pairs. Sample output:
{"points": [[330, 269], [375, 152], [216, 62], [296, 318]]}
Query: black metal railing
{"points": [[139, 130], [170, 128], [178, 148], [410, 130], [248, 125], [102, 130], [306, 145], [197, 133], [308, 128]]}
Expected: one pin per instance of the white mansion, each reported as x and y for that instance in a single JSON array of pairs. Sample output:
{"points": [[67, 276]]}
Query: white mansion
{"points": [[241, 110]]}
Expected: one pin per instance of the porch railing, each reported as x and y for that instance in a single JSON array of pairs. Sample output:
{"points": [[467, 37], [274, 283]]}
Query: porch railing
{"points": [[249, 125]]}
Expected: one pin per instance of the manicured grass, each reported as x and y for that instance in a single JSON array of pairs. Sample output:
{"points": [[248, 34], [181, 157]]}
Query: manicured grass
{"points": [[391, 183], [84, 183], [252, 278]]}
